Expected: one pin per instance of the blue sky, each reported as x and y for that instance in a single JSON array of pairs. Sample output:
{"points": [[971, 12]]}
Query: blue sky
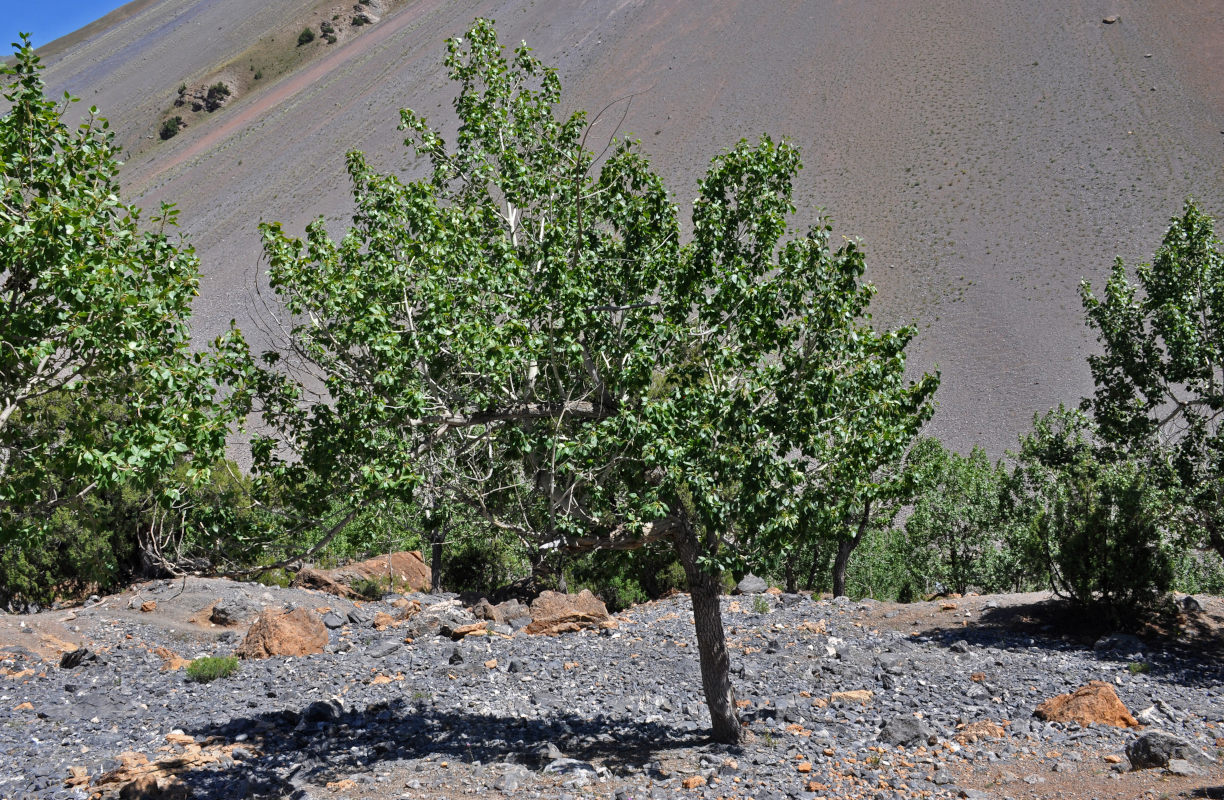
{"points": [[48, 19]]}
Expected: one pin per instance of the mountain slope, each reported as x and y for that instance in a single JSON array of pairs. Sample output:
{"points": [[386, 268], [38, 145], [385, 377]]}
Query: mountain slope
{"points": [[988, 159]]}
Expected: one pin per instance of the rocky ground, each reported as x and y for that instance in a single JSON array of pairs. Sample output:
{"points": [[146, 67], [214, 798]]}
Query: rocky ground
{"points": [[840, 699]]}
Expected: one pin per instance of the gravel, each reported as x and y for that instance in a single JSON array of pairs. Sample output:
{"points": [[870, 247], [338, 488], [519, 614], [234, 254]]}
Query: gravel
{"points": [[615, 712]]}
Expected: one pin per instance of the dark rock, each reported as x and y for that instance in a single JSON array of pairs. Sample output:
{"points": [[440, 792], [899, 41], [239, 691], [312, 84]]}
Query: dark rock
{"points": [[1158, 748], [383, 649], [905, 731], [333, 620], [231, 611], [751, 584], [77, 657], [323, 711]]}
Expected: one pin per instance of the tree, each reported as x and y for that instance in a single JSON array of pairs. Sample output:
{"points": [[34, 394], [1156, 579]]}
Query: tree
{"points": [[93, 310], [1160, 379], [524, 327], [957, 513]]}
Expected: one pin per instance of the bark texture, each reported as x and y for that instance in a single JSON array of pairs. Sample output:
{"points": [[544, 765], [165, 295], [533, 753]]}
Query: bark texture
{"points": [[705, 589]]}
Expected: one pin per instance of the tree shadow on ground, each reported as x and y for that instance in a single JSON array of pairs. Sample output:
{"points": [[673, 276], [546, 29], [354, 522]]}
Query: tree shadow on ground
{"points": [[1208, 792], [1180, 647], [306, 749]]}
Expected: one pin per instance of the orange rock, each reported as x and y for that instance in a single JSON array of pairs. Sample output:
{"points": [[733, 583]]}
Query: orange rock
{"points": [[491, 663], [277, 633], [1095, 702], [383, 620], [553, 613], [148, 605], [170, 660], [862, 696], [24, 707], [405, 570], [474, 629], [77, 776], [1113, 759], [814, 626], [804, 766], [342, 785], [982, 729], [693, 781]]}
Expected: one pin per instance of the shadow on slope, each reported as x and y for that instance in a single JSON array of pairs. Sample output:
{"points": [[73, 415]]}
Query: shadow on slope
{"points": [[1186, 648], [321, 743]]}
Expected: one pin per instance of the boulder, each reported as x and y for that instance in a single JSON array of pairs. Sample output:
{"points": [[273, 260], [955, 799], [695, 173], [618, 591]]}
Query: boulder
{"points": [[432, 619], [905, 731], [405, 570], [310, 578], [1158, 748], [231, 611], [1094, 702], [554, 612], [278, 633], [751, 584], [501, 614]]}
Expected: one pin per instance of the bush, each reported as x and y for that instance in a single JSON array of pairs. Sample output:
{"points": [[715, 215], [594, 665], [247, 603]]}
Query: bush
{"points": [[170, 127], [623, 578], [1098, 523], [305, 37], [210, 668]]}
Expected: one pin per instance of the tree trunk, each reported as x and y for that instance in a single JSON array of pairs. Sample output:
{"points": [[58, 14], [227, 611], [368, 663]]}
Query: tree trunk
{"points": [[437, 538], [814, 568], [705, 589], [844, 548], [792, 585]]}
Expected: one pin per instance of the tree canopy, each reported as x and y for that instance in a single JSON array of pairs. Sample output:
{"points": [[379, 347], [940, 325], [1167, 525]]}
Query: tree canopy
{"points": [[1160, 379], [95, 310], [526, 327]]}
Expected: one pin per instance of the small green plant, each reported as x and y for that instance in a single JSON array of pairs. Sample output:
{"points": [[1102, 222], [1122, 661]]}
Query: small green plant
{"points": [[327, 27], [258, 74], [209, 668], [1139, 667], [275, 577], [305, 37], [760, 605], [370, 588], [170, 127]]}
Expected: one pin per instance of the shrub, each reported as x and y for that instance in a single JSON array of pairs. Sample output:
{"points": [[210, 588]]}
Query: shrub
{"points": [[327, 27], [210, 668], [170, 127], [1099, 524], [305, 37]]}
